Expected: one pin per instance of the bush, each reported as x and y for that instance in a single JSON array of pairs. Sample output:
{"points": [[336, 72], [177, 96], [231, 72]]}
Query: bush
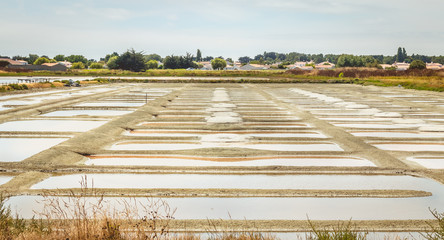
{"points": [[218, 63], [15, 86], [96, 66], [131, 60], [417, 64], [112, 63], [437, 232], [41, 60], [151, 64], [78, 65], [344, 231], [12, 226]]}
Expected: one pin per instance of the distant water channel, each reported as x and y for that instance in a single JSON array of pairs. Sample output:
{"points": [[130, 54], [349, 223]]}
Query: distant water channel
{"points": [[9, 80]]}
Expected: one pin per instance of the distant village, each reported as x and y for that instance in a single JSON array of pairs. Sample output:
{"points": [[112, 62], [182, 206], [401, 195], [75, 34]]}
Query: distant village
{"points": [[207, 66]]}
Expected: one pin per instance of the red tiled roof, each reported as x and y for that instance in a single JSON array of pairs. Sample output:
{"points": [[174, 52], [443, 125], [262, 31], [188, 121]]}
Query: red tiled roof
{"points": [[12, 62], [50, 64]]}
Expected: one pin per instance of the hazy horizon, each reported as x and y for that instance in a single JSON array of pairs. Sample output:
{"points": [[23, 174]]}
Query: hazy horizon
{"points": [[229, 28]]}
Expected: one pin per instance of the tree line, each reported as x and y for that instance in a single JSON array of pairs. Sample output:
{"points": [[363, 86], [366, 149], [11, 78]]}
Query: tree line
{"points": [[342, 60], [139, 61]]}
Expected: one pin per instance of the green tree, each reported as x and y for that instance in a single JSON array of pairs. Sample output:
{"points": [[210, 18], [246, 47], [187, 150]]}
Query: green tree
{"points": [[218, 63], [152, 56], [32, 58], [373, 64], [151, 64], [318, 58], [20, 58], [179, 62], [96, 65], [388, 59], [41, 60], [112, 62], [437, 59], [199, 55], [417, 64], [77, 58], [402, 55], [78, 65], [60, 58], [132, 61], [108, 56], [346, 60], [244, 60]]}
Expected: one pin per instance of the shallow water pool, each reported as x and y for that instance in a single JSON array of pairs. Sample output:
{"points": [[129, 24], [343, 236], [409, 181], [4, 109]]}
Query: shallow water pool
{"points": [[247, 181], [255, 208], [50, 126], [18, 149], [411, 147], [242, 162], [149, 146], [429, 162], [111, 104], [73, 113]]}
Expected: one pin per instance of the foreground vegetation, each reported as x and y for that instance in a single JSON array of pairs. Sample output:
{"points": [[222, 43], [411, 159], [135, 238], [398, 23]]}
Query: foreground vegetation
{"points": [[28, 86], [87, 215]]}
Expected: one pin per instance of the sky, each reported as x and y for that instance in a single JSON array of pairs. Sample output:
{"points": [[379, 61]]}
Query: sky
{"points": [[228, 28]]}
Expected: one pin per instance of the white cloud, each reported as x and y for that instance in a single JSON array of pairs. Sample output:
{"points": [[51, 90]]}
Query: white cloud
{"points": [[232, 28], [315, 6], [82, 11]]}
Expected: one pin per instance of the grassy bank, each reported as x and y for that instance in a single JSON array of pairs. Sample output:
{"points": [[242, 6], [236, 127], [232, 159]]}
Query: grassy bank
{"points": [[154, 73]]}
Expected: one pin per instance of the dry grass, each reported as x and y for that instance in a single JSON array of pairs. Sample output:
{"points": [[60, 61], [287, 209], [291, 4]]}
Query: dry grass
{"points": [[437, 232], [86, 215], [45, 85], [28, 86], [343, 231]]}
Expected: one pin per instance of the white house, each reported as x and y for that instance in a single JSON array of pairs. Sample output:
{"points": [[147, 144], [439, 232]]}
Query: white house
{"points": [[254, 67], [66, 64], [401, 66]]}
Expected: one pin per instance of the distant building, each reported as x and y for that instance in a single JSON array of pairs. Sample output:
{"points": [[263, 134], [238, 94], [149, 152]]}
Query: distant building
{"points": [[401, 66], [255, 67], [66, 63], [43, 67], [301, 65], [56, 66], [434, 66], [206, 66], [308, 68], [232, 67], [385, 66], [22, 62], [325, 66], [14, 62]]}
